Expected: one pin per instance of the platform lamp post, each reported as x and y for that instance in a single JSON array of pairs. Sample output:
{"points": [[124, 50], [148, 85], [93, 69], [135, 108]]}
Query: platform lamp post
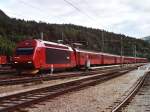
{"points": [[102, 47], [62, 36], [61, 41]]}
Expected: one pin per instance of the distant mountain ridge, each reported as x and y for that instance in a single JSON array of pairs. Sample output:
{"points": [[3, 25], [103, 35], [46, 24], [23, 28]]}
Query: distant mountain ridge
{"points": [[3, 15], [146, 39]]}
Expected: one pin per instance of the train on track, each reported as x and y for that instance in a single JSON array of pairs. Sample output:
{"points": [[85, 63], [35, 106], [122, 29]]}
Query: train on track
{"points": [[39, 55]]}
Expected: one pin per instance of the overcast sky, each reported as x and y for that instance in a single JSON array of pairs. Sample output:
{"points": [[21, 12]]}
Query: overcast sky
{"points": [[129, 17]]}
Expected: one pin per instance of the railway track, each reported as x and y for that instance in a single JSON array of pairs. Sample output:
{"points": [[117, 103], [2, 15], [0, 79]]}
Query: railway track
{"points": [[22, 80], [121, 103], [24, 99], [7, 70]]}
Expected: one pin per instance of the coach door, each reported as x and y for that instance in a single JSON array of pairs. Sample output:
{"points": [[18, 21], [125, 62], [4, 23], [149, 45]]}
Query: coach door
{"points": [[102, 59], [78, 59]]}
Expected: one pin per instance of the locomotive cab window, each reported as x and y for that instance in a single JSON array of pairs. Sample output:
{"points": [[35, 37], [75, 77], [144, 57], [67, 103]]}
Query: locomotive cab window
{"points": [[24, 51]]}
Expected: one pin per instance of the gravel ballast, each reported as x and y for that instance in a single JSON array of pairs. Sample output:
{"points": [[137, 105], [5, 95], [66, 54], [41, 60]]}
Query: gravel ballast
{"points": [[141, 101]]}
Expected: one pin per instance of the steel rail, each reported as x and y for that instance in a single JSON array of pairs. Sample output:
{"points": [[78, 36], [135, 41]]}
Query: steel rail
{"points": [[130, 95], [22, 80]]}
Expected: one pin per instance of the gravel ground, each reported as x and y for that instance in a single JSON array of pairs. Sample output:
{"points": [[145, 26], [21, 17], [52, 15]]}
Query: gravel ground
{"points": [[141, 101], [92, 99]]}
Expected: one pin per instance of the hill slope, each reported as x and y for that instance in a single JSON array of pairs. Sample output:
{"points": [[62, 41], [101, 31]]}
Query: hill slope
{"points": [[13, 30], [146, 39], [3, 15]]}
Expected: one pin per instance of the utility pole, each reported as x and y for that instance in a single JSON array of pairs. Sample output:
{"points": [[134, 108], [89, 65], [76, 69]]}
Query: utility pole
{"points": [[62, 36], [121, 51], [61, 41], [102, 47], [42, 37], [135, 52]]}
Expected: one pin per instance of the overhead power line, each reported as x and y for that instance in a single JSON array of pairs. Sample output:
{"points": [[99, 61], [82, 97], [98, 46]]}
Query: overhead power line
{"points": [[91, 18], [72, 5], [79, 10]]}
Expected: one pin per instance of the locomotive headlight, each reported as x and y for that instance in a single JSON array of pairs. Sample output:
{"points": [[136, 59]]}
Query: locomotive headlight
{"points": [[15, 62], [29, 62], [68, 57], [16, 57]]}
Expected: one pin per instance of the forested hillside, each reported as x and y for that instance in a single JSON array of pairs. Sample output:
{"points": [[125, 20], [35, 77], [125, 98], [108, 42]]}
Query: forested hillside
{"points": [[13, 30], [146, 39]]}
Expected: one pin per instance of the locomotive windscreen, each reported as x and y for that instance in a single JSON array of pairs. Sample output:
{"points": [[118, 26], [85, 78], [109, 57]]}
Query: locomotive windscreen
{"points": [[56, 56], [24, 51]]}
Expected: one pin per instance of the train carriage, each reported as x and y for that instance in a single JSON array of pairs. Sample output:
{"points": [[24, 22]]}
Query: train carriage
{"points": [[129, 60], [3, 60], [84, 57], [139, 60], [108, 59], [126, 60], [118, 59]]}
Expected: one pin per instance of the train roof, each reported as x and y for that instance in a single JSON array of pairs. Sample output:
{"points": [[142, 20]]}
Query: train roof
{"points": [[95, 52], [55, 45], [42, 43]]}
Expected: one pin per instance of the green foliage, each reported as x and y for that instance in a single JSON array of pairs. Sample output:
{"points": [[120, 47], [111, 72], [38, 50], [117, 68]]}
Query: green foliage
{"points": [[6, 46]]}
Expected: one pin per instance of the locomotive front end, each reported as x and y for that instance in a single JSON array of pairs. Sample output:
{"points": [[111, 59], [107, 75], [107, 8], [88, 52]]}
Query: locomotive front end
{"points": [[24, 55]]}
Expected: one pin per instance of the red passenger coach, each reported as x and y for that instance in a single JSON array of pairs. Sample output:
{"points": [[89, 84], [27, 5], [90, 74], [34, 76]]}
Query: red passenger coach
{"points": [[86, 58], [143, 60], [109, 59], [38, 55], [3, 60]]}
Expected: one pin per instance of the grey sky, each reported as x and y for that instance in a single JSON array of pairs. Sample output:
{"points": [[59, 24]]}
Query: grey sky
{"points": [[127, 17]]}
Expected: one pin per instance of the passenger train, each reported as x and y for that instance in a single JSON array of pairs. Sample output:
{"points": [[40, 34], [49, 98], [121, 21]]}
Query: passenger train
{"points": [[38, 55]]}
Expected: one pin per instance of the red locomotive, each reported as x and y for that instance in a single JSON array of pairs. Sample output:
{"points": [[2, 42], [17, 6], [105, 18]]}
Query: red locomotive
{"points": [[40, 55]]}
